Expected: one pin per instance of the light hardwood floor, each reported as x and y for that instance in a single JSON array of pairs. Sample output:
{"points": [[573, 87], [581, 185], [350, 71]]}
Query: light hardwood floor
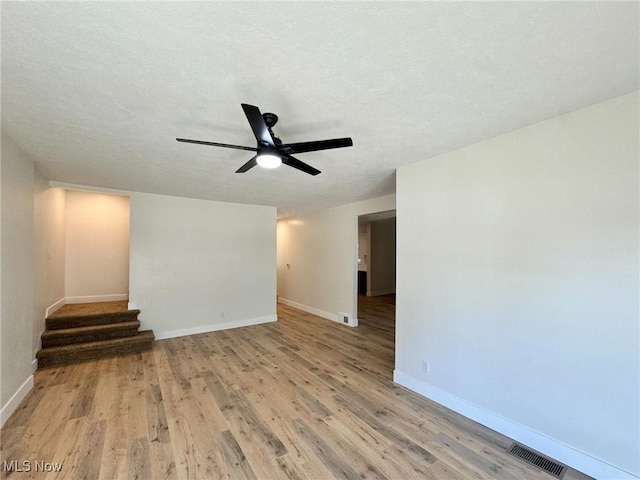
{"points": [[303, 398]]}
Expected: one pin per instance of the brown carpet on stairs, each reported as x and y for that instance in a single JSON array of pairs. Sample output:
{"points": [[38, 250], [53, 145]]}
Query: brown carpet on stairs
{"points": [[88, 331], [77, 309]]}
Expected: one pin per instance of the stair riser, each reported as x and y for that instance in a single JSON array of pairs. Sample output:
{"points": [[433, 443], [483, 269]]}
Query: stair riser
{"points": [[73, 338], [89, 321], [86, 332], [68, 358]]}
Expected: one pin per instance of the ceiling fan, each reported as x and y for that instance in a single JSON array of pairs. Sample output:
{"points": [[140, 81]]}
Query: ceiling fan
{"points": [[270, 151]]}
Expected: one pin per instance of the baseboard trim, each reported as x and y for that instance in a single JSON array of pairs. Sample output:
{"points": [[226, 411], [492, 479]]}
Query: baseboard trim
{"points": [[55, 307], [214, 327], [559, 451], [15, 400], [305, 308], [34, 364], [334, 317], [98, 298]]}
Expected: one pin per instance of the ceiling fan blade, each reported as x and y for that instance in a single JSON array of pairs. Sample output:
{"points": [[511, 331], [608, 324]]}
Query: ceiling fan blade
{"points": [[250, 164], [314, 146], [226, 145], [295, 163], [258, 125]]}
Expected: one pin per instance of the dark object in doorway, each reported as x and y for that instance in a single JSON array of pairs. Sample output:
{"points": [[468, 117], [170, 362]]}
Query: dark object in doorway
{"points": [[362, 283]]}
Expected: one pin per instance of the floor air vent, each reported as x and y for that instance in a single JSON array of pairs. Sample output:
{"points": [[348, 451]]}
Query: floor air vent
{"points": [[553, 468]]}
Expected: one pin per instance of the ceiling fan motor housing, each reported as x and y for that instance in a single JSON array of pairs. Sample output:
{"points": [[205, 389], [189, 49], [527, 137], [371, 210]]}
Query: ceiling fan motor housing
{"points": [[270, 119]]}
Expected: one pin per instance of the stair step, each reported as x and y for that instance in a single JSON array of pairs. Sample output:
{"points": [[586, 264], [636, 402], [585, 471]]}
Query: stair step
{"points": [[82, 352], [94, 333], [90, 314]]}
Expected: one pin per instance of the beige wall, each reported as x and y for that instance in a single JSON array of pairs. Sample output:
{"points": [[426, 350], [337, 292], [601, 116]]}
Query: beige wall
{"points": [[518, 282], [382, 271], [49, 251], [97, 246], [17, 272], [32, 273], [198, 265], [321, 251]]}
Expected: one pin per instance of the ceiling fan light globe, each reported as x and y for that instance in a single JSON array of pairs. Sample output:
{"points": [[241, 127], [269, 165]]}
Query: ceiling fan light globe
{"points": [[269, 160]]}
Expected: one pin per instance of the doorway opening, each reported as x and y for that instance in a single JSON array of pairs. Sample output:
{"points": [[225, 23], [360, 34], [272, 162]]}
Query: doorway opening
{"points": [[377, 272]]}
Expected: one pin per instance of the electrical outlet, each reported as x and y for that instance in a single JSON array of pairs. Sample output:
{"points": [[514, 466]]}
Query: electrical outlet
{"points": [[426, 367]]}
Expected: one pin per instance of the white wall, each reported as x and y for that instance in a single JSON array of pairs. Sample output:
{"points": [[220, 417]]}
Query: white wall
{"points": [[518, 283], [97, 246], [199, 265], [320, 248], [17, 272], [49, 252], [382, 271]]}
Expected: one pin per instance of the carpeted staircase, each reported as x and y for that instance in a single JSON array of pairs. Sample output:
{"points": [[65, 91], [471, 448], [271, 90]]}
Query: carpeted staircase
{"points": [[88, 331]]}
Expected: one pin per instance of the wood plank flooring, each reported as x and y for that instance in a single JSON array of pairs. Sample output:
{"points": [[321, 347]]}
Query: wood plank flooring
{"points": [[303, 398], [378, 312]]}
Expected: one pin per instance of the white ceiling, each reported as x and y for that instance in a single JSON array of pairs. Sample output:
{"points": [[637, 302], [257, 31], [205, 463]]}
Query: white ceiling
{"points": [[96, 93]]}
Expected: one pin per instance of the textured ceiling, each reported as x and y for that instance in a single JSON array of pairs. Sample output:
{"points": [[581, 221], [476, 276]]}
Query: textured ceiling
{"points": [[96, 93]]}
